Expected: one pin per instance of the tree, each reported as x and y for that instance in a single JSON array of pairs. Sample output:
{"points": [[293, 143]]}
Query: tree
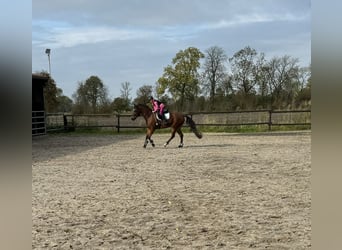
{"points": [[81, 104], [226, 85], [54, 99], [91, 96], [50, 93], [120, 104], [64, 102], [126, 91], [214, 71], [282, 74], [123, 103], [96, 92], [182, 79], [304, 76], [302, 87], [143, 94], [246, 65]]}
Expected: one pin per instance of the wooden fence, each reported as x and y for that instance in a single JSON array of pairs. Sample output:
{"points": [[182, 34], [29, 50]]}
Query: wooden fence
{"points": [[120, 122]]}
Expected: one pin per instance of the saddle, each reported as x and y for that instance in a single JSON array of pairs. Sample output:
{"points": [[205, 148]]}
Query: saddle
{"points": [[164, 119]]}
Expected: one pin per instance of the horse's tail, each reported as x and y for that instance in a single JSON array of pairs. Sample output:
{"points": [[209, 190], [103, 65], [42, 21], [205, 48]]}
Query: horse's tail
{"points": [[193, 128]]}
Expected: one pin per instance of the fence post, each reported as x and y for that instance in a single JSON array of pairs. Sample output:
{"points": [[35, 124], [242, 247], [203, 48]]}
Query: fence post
{"points": [[65, 122], [118, 125], [270, 120]]}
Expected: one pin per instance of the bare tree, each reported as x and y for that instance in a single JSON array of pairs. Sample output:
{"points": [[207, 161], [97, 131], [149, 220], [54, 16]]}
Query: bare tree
{"points": [[214, 71], [304, 74], [126, 90], [246, 65], [143, 94], [282, 74]]}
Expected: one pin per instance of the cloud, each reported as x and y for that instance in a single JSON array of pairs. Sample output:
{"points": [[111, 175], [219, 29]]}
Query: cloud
{"points": [[57, 37], [143, 36], [253, 19], [61, 34]]}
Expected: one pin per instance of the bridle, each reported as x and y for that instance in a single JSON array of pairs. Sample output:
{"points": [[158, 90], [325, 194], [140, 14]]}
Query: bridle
{"points": [[136, 114]]}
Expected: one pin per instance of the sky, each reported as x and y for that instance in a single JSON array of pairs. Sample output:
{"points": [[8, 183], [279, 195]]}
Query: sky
{"points": [[134, 40]]}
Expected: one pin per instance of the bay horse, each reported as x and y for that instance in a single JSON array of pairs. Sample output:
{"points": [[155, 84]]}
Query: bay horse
{"points": [[176, 121]]}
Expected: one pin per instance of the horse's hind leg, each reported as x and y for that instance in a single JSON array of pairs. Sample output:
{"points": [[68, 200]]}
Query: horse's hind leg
{"points": [[172, 136], [179, 131], [151, 141]]}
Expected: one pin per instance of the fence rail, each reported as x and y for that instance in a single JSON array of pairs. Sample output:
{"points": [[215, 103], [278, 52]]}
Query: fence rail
{"points": [[119, 122], [38, 122]]}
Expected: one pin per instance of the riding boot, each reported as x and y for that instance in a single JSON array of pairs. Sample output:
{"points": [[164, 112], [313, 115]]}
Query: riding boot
{"points": [[157, 119], [162, 119]]}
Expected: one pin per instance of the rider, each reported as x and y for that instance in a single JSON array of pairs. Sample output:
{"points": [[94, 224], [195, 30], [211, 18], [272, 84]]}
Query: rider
{"points": [[158, 106]]}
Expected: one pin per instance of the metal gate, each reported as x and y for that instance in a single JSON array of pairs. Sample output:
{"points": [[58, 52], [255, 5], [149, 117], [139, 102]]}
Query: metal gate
{"points": [[38, 123]]}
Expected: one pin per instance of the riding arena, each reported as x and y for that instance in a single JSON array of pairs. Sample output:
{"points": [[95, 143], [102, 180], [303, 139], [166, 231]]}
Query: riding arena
{"points": [[224, 191]]}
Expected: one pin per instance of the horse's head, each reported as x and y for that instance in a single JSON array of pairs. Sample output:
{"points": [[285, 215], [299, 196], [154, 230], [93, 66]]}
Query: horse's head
{"points": [[136, 112], [141, 110]]}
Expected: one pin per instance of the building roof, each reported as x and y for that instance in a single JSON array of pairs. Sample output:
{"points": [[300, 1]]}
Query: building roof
{"points": [[39, 77]]}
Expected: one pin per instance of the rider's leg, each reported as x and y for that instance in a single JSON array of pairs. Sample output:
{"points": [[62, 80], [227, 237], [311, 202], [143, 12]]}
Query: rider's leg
{"points": [[161, 111]]}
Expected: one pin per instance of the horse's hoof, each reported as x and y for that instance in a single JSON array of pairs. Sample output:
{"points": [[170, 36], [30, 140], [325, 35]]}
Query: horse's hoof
{"points": [[180, 145], [165, 144], [153, 145], [144, 146]]}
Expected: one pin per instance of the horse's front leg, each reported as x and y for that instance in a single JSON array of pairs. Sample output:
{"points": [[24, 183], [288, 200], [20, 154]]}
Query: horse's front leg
{"points": [[146, 141], [148, 138]]}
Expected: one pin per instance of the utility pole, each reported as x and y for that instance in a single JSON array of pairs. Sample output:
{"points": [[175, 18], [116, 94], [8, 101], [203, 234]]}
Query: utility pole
{"points": [[48, 51]]}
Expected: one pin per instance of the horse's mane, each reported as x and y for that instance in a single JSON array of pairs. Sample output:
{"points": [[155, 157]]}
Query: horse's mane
{"points": [[144, 106]]}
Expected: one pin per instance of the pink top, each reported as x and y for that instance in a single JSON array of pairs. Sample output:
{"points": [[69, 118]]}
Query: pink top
{"points": [[155, 105]]}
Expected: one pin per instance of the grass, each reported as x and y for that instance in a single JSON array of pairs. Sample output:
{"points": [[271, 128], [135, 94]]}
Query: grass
{"points": [[251, 128], [206, 129], [98, 131]]}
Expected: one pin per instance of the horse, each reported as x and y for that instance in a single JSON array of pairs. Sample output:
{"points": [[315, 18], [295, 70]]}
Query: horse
{"points": [[175, 121]]}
